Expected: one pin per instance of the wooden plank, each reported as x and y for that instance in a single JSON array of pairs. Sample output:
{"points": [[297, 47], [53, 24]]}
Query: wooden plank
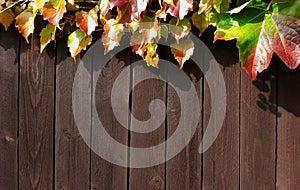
{"points": [[9, 51], [105, 175], [143, 93], [184, 170], [258, 131], [36, 115], [288, 143], [72, 155], [221, 161]]}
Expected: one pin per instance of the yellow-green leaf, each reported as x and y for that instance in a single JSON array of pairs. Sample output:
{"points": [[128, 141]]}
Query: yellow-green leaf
{"points": [[40, 3], [47, 35], [77, 42]]}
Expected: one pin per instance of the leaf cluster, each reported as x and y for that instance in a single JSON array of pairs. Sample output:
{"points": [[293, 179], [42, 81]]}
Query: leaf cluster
{"points": [[261, 29]]}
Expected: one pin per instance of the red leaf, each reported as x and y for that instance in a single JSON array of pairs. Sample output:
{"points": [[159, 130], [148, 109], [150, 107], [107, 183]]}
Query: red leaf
{"points": [[131, 10]]}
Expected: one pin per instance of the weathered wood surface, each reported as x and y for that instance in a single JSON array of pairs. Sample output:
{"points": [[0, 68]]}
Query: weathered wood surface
{"points": [[41, 148], [72, 156], [9, 51], [36, 107]]}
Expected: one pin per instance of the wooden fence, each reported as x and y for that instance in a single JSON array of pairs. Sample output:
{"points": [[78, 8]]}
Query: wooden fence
{"points": [[258, 146]]}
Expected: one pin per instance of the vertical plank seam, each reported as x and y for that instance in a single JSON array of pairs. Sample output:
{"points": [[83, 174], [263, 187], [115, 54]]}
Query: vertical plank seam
{"points": [[129, 121], [239, 130], [202, 132], [166, 130], [54, 119], [18, 107], [91, 121], [276, 129]]}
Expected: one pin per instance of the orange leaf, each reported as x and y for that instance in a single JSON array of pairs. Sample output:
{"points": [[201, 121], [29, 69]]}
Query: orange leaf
{"points": [[87, 21], [183, 51], [25, 21], [53, 11]]}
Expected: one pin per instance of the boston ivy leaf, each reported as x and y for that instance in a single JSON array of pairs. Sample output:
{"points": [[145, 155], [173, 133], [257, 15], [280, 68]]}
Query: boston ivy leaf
{"points": [[47, 35], [130, 10], [150, 56], [271, 32], [149, 29], [54, 10], [220, 6], [87, 21], [105, 5], [72, 7], [179, 28], [6, 18], [201, 21], [179, 8], [77, 42], [112, 35], [40, 3], [183, 50], [25, 21]]}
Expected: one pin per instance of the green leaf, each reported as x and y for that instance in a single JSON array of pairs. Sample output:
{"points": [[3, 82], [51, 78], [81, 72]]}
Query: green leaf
{"points": [[47, 35], [78, 41], [220, 6], [201, 21], [260, 31]]}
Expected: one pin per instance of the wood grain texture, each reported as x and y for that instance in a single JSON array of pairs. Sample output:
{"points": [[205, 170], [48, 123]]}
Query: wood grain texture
{"points": [[151, 178], [258, 131], [221, 160], [288, 143], [36, 115], [184, 170], [106, 175], [9, 51], [72, 155]]}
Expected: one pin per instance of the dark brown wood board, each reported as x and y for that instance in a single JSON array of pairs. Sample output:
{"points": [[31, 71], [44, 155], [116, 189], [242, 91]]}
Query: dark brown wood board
{"points": [[36, 107], [221, 160], [143, 93], [9, 54], [288, 129], [184, 170], [105, 175], [72, 154], [258, 131]]}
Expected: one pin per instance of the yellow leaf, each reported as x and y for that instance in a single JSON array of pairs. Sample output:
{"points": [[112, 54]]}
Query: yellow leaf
{"points": [[25, 21], [6, 18]]}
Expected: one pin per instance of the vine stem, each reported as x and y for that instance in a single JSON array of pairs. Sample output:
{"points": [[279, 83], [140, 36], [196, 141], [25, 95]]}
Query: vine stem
{"points": [[269, 6], [14, 4]]}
